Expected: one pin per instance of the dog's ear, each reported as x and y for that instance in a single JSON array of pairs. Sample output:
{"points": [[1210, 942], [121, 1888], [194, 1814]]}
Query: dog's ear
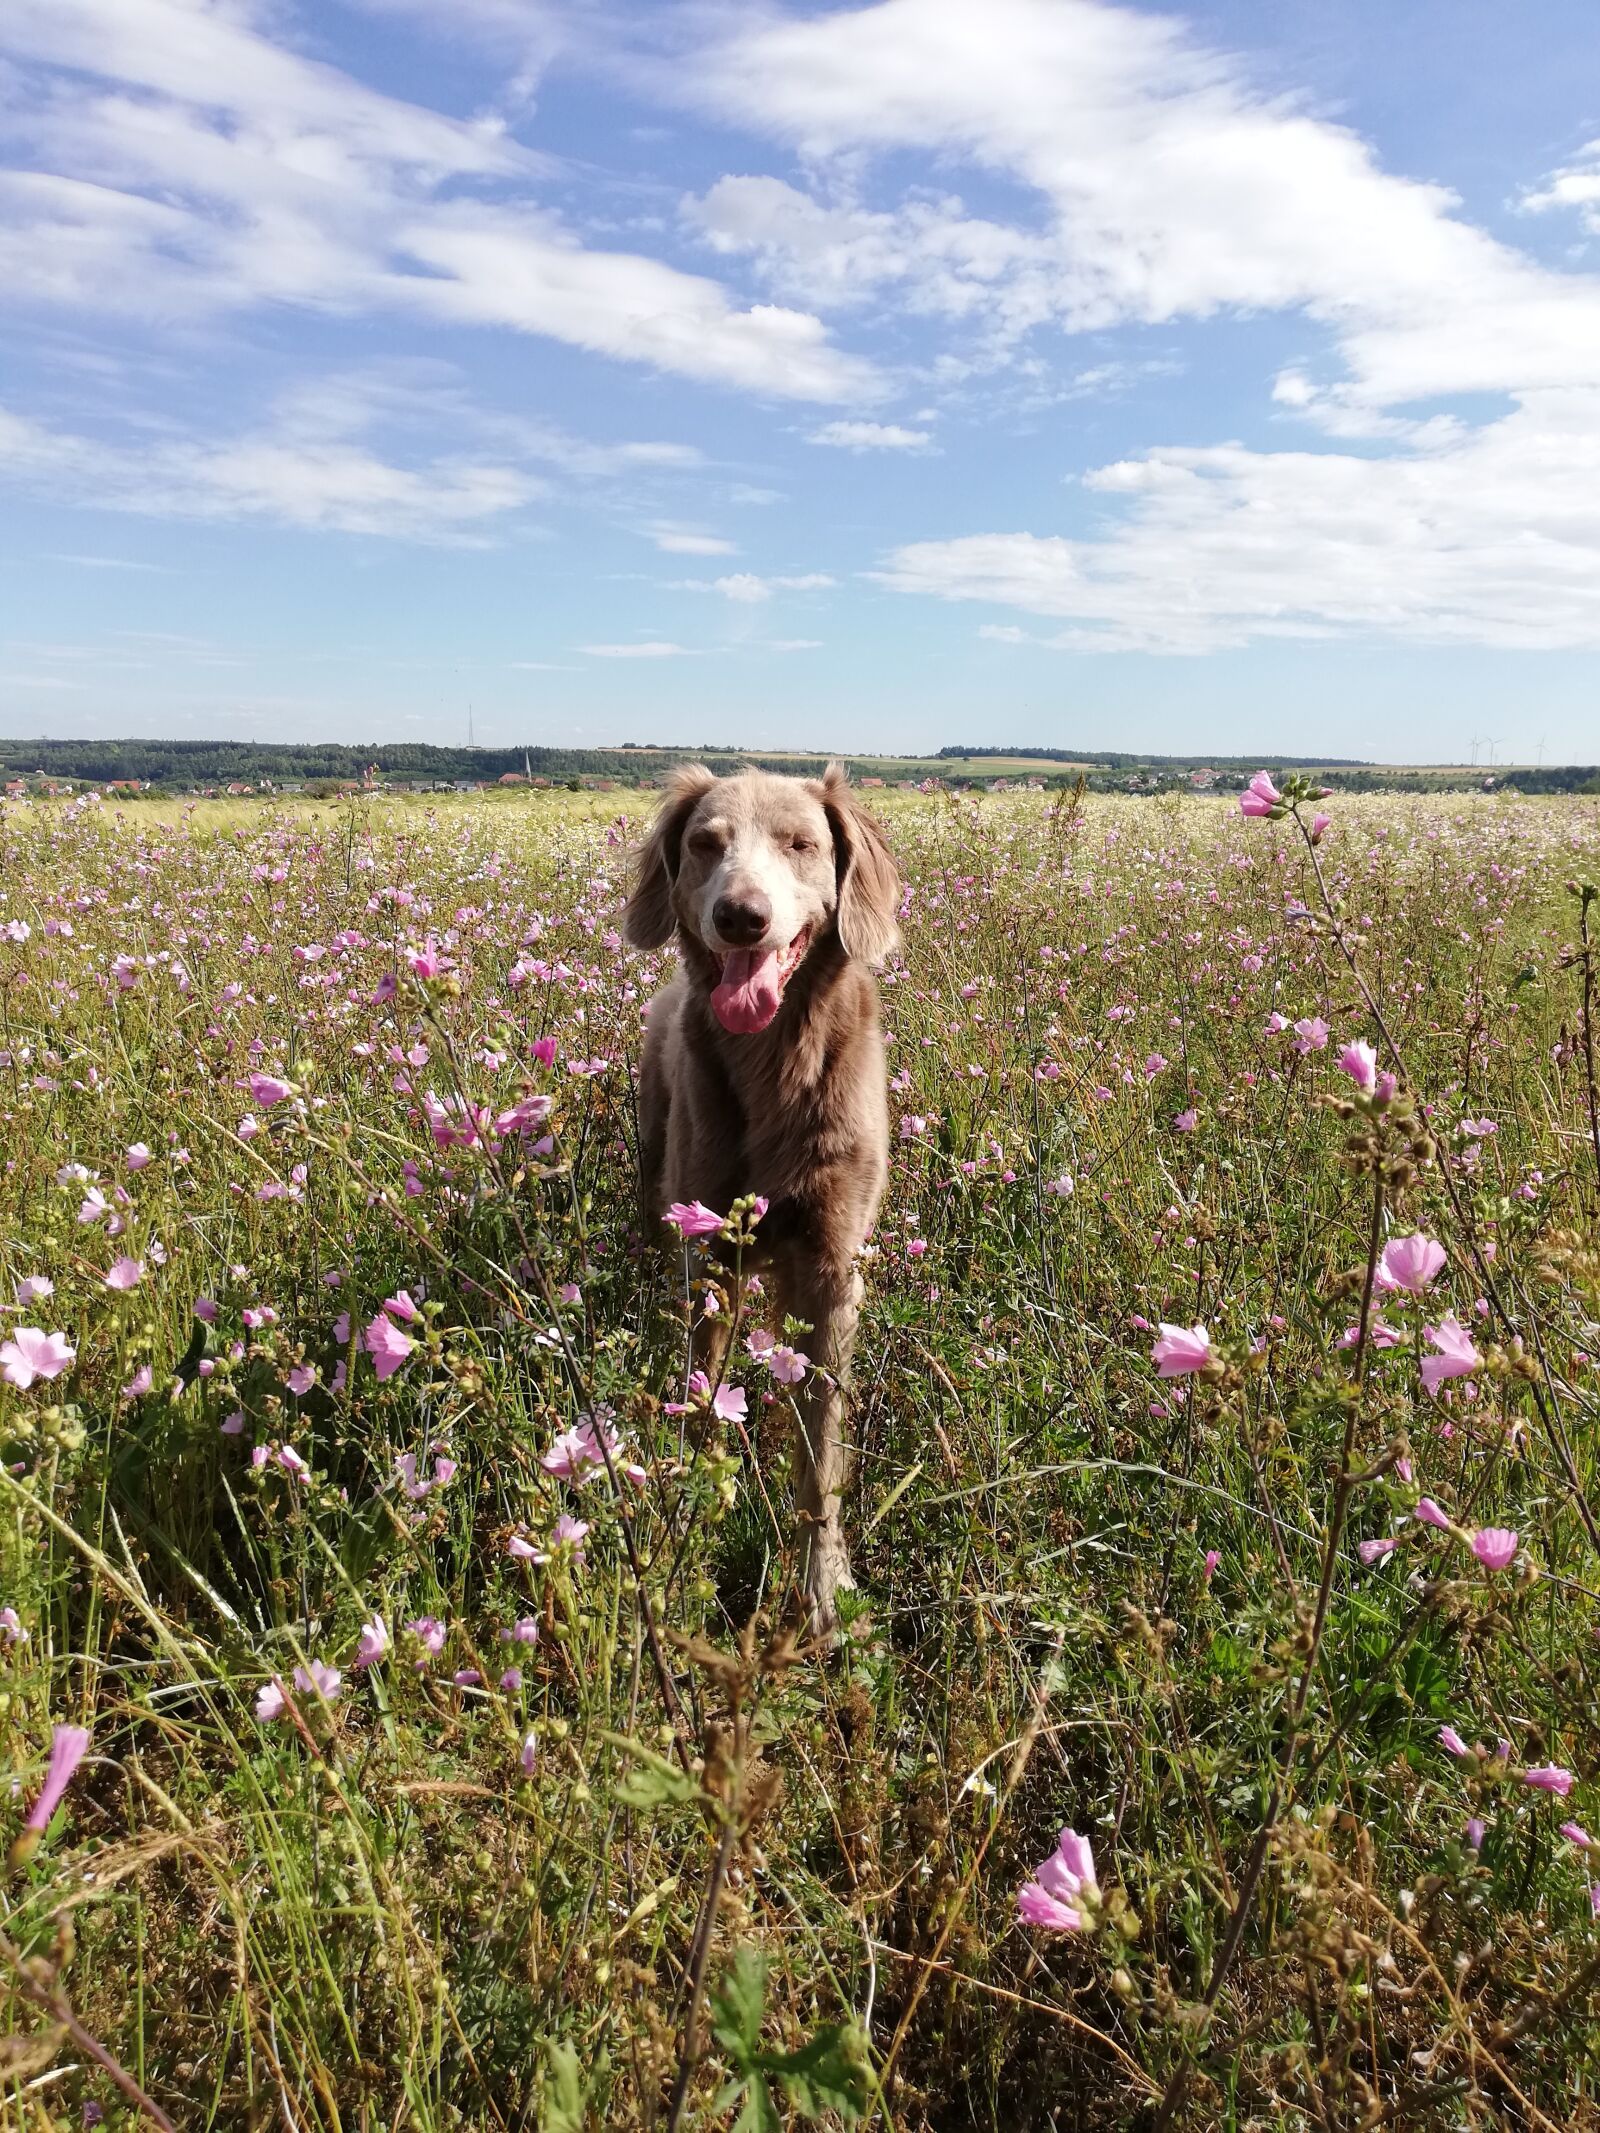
{"points": [[869, 886], [648, 920]]}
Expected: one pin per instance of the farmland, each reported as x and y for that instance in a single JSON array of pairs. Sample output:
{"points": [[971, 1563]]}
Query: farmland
{"points": [[1227, 1488]]}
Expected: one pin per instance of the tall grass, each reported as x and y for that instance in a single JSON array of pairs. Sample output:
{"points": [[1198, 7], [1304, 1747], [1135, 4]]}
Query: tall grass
{"points": [[595, 1839]]}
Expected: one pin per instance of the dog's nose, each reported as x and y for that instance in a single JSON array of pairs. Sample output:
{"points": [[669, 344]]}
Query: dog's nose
{"points": [[741, 920]]}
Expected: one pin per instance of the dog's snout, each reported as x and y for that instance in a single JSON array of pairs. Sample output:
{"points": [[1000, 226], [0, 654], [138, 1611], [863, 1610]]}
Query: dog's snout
{"points": [[741, 920]]}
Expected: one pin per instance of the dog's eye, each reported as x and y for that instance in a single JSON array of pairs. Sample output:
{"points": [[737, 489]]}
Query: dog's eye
{"points": [[802, 844]]}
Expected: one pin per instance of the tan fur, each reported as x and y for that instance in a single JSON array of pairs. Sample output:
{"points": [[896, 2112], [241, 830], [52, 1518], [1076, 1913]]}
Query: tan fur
{"points": [[796, 1111]]}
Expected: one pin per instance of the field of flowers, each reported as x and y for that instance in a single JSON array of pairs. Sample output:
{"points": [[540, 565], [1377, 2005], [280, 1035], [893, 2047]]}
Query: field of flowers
{"points": [[408, 1718]]}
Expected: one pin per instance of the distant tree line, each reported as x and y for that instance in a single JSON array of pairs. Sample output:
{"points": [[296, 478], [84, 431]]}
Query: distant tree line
{"points": [[181, 766]]}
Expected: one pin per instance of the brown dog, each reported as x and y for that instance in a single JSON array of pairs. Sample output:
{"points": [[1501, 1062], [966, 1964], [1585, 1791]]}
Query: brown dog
{"points": [[763, 1064]]}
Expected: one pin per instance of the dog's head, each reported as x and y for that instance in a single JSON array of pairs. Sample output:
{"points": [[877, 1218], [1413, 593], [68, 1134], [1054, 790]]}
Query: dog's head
{"points": [[758, 870]]}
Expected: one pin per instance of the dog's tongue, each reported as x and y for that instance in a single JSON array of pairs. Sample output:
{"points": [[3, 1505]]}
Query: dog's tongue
{"points": [[749, 995]]}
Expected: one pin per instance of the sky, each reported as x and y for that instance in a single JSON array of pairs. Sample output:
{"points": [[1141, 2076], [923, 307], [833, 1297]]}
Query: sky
{"points": [[857, 377]]}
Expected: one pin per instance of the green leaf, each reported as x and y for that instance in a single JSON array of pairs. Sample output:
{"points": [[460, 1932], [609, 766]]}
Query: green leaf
{"points": [[564, 2108], [736, 2008], [656, 1782], [828, 2074]]}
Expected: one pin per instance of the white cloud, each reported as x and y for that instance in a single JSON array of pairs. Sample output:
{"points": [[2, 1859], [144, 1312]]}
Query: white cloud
{"points": [[792, 644], [1575, 185], [747, 588], [180, 162], [675, 539], [871, 437], [280, 474], [656, 648], [1493, 539]]}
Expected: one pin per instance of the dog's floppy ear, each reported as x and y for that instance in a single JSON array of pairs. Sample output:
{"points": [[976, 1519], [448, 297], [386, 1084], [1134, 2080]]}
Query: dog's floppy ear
{"points": [[869, 887], [648, 920]]}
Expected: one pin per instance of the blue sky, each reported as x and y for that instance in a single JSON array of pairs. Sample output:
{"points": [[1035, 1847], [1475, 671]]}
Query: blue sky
{"points": [[865, 377]]}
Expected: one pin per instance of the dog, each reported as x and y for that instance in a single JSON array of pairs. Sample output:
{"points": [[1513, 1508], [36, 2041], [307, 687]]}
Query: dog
{"points": [[763, 1067]]}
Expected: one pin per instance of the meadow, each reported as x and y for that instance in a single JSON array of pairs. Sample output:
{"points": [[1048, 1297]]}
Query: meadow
{"points": [[409, 1721]]}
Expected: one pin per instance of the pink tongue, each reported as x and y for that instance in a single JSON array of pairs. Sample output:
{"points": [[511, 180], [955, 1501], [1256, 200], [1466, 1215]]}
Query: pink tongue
{"points": [[749, 995]]}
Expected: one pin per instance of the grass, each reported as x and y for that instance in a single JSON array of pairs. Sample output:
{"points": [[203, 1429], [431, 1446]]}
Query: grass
{"points": [[595, 1840]]}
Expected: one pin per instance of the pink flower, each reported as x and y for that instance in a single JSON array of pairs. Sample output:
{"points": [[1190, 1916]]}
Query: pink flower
{"points": [[1374, 1551], [1549, 1777], [1276, 1023], [318, 1680], [34, 1288], [1181, 1350], [1457, 1358], [1310, 1035], [916, 1247], [1409, 1263], [400, 1306], [138, 1156], [271, 1702], [430, 1633], [530, 1755], [372, 1643], [1450, 1740], [205, 1310], [1476, 1830], [267, 1089], [68, 1747], [1209, 1567], [1054, 1897], [140, 1383], [578, 1453], [1494, 1546], [126, 1273], [1431, 1515], [1575, 1833], [788, 1365], [1186, 1121], [728, 1403], [1260, 796], [11, 1625], [301, 1379], [389, 1348], [1319, 827], [693, 1218], [30, 1354], [1360, 1062]]}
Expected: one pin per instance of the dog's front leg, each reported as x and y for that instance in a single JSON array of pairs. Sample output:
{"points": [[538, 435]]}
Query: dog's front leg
{"points": [[830, 1301]]}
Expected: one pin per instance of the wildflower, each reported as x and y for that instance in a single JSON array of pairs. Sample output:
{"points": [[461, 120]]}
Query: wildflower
{"points": [[728, 1401], [138, 1157], [1181, 1350], [271, 1701], [1431, 1515], [1360, 1062], [693, 1218], [1457, 1358], [1373, 1551], [1209, 1567], [268, 1089], [125, 1273], [1494, 1546], [318, 1680], [1575, 1833], [140, 1383], [301, 1379], [68, 1747], [1452, 1743], [389, 1348], [1476, 1832], [31, 1354], [1055, 1896], [400, 1306], [1260, 796], [1549, 1777], [525, 1630], [372, 1643], [34, 1288], [916, 1248], [1319, 827], [1310, 1035], [11, 1625], [429, 1632], [581, 1451], [1409, 1263], [788, 1365], [1186, 1121], [205, 1310], [530, 1755]]}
